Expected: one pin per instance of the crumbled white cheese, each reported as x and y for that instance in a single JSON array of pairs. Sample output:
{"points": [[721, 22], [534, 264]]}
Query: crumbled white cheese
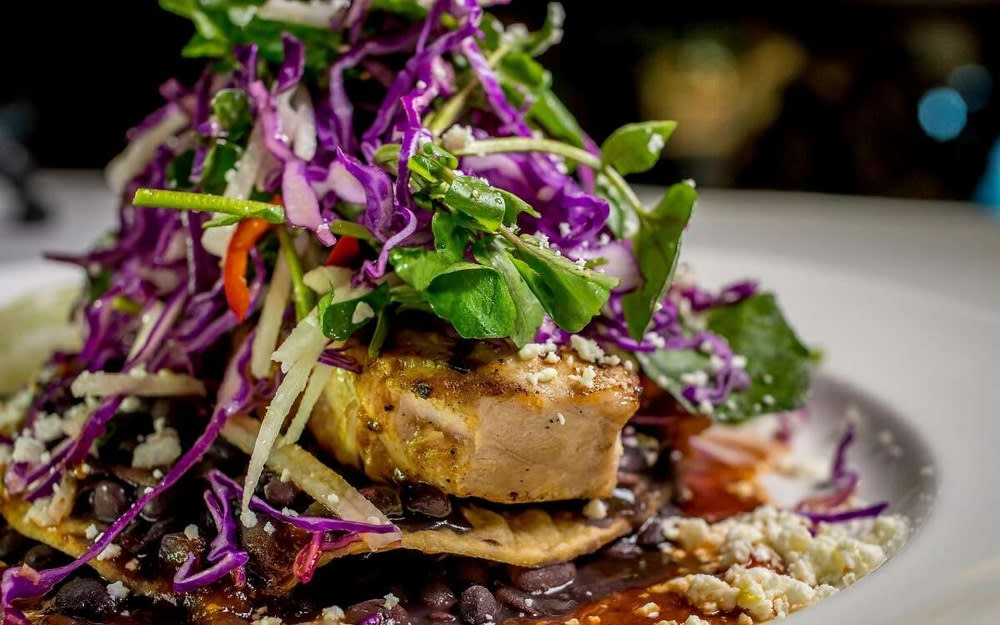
{"points": [[457, 138], [695, 378], [289, 512], [595, 509], [648, 610], [391, 601], [655, 143], [110, 552], [159, 449], [585, 379], [118, 590], [268, 620], [694, 619], [132, 565], [269, 528], [27, 449], [531, 351], [48, 427], [551, 358], [248, 518], [362, 312], [192, 532], [739, 361], [588, 350], [130, 404], [285, 475], [542, 376], [333, 614], [90, 532]]}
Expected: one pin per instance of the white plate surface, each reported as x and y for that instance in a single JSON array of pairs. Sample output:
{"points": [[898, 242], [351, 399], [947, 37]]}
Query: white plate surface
{"points": [[928, 358]]}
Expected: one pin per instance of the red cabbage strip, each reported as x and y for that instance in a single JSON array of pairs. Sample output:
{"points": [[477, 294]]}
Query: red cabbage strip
{"points": [[433, 19], [513, 121], [23, 582], [336, 358], [246, 73], [275, 140], [225, 555], [293, 65], [405, 79], [702, 300], [342, 111], [413, 105], [848, 515], [844, 481]]}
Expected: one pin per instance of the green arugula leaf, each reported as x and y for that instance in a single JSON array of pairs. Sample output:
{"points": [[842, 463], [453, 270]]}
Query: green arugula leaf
{"points": [[530, 313], [635, 148], [551, 114], [450, 237], [476, 198], [340, 319], [231, 109], [777, 361], [657, 246], [520, 68], [407, 8], [514, 206], [570, 294], [475, 300], [417, 266]]}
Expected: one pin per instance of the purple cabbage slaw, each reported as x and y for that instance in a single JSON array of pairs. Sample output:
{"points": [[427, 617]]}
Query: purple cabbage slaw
{"points": [[828, 508]]}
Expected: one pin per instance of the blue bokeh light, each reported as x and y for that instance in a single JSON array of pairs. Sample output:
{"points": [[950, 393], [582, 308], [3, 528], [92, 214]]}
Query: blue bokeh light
{"points": [[942, 113]]}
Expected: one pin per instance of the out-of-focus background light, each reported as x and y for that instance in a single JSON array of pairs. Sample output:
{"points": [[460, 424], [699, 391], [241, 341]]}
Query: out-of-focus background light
{"points": [[942, 113]]}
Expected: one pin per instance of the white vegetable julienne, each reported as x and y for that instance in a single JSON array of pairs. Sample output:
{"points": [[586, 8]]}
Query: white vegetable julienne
{"points": [[161, 384], [315, 478], [271, 315], [316, 13], [325, 279], [140, 151], [317, 382], [304, 337], [297, 361], [148, 320], [304, 137]]}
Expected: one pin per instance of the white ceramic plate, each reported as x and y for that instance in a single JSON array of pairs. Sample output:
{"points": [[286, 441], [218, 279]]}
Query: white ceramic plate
{"points": [[919, 366]]}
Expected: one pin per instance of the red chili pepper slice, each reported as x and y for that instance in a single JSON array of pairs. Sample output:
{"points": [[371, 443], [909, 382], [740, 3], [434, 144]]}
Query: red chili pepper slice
{"points": [[344, 251], [234, 267]]}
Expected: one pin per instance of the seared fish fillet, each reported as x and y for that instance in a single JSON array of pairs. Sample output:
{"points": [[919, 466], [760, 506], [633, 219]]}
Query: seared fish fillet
{"points": [[475, 420]]}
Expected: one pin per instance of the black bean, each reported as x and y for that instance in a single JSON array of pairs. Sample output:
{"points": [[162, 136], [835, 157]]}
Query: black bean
{"points": [[11, 543], [374, 612], [84, 597], [520, 601], [427, 500], [158, 507], [279, 493], [41, 557], [651, 533], [478, 606], [623, 549], [176, 548], [437, 595], [472, 572], [442, 617], [545, 578], [385, 499], [109, 501]]}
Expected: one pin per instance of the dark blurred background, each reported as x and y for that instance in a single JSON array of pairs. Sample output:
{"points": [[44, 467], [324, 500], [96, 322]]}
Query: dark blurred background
{"points": [[876, 98]]}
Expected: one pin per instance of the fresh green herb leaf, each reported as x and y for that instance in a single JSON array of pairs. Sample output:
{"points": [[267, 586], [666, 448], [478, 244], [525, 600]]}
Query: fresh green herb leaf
{"points": [[302, 295], [222, 220], [179, 171], [407, 8], [571, 295], [450, 237], [231, 109], [514, 206], [387, 157], [520, 68], [475, 300], [489, 251], [551, 114], [340, 319], [777, 361], [476, 198], [657, 246], [635, 148], [418, 266], [220, 159]]}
